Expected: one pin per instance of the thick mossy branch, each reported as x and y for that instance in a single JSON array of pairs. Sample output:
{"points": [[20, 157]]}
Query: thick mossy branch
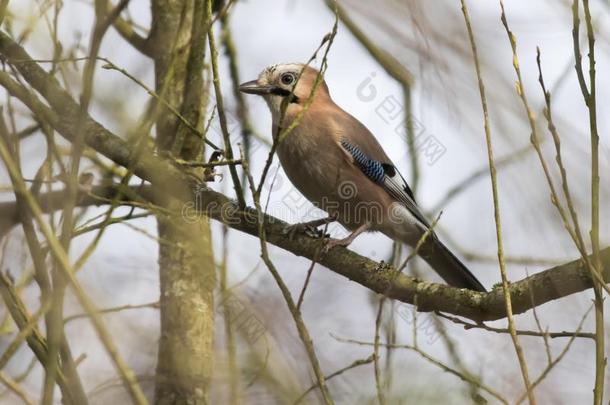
{"points": [[545, 286], [548, 285]]}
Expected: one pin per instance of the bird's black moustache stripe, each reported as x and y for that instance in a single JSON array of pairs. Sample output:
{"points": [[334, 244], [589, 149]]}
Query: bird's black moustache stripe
{"points": [[278, 91]]}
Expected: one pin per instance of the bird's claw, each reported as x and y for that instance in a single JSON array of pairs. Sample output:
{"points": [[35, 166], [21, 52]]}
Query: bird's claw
{"points": [[292, 230]]}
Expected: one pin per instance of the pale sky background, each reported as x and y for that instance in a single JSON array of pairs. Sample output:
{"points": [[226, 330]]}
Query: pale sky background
{"points": [[124, 268]]}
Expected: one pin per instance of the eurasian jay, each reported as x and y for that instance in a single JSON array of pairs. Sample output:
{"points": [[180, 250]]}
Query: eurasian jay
{"points": [[337, 164]]}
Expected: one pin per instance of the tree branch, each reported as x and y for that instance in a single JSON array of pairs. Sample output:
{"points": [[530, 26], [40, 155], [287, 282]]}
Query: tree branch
{"points": [[129, 34], [548, 285], [55, 200]]}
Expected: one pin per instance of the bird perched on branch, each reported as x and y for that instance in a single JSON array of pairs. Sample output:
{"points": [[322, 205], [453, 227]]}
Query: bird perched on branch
{"points": [[336, 163]]}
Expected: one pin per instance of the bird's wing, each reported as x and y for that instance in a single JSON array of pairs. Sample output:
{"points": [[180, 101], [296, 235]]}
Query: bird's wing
{"points": [[386, 175], [368, 155]]}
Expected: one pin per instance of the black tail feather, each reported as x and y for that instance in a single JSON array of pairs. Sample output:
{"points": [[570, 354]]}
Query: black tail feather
{"points": [[449, 267]]}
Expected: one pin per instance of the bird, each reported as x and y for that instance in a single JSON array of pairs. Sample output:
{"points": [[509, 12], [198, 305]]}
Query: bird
{"points": [[339, 166]]}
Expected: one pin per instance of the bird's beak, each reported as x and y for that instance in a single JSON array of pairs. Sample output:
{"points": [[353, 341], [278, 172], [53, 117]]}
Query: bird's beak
{"points": [[253, 87]]}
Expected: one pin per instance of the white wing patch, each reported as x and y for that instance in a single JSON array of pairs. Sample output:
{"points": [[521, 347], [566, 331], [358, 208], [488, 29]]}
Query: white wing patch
{"points": [[398, 188]]}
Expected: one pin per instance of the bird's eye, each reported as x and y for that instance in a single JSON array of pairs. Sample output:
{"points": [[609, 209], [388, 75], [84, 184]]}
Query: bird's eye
{"points": [[287, 78]]}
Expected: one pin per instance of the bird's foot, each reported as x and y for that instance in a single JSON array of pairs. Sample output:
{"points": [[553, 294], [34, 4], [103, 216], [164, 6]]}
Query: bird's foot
{"points": [[302, 228], [331, 243], [345, 242], [309, 228]]}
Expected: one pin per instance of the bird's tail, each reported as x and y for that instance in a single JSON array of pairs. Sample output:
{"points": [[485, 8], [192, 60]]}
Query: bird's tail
{"points": [[449, 267]]}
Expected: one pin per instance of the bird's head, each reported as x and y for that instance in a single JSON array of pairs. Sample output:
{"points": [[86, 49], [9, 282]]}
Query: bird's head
{"points": [[290, 83]]}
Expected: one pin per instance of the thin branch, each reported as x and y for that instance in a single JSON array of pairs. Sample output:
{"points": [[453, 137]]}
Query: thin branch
{"points": [[472, 178], [552, 335], [230, 338], [36, 341], [591, 102], [355, 364], [438, 363], [496, 204], [55, 331], [230, 51], [545, 337], [553, 363], [233, 162], [221, 111], [311, 266], [127, 31], [24, 331], [73, 390], [17, 389], [154, 305], [54, 201], [377, 371], [111, 66], [296, 315], [390, 64], [281, 132], [59, 253]]}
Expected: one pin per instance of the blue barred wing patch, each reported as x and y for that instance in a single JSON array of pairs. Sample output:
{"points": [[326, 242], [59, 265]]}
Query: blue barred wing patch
{"points": [[373, 169], [386, 175]]}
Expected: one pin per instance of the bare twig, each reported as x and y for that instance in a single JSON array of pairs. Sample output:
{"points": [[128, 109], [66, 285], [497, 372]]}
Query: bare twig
{"points": [[129, 34], [310, 269], [230, 51], [230, 338], [59, 253], [24, 333], [154, 305], [111, 66], [208, 164], [221, 111], [472, 178], [552, 335], [553, 363], [17, 389], [283, 132], [36, 341], [496, 202], [296, 315], [73, 389], [589, 96], [438, 363], [379, 386], [355, 364]]}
